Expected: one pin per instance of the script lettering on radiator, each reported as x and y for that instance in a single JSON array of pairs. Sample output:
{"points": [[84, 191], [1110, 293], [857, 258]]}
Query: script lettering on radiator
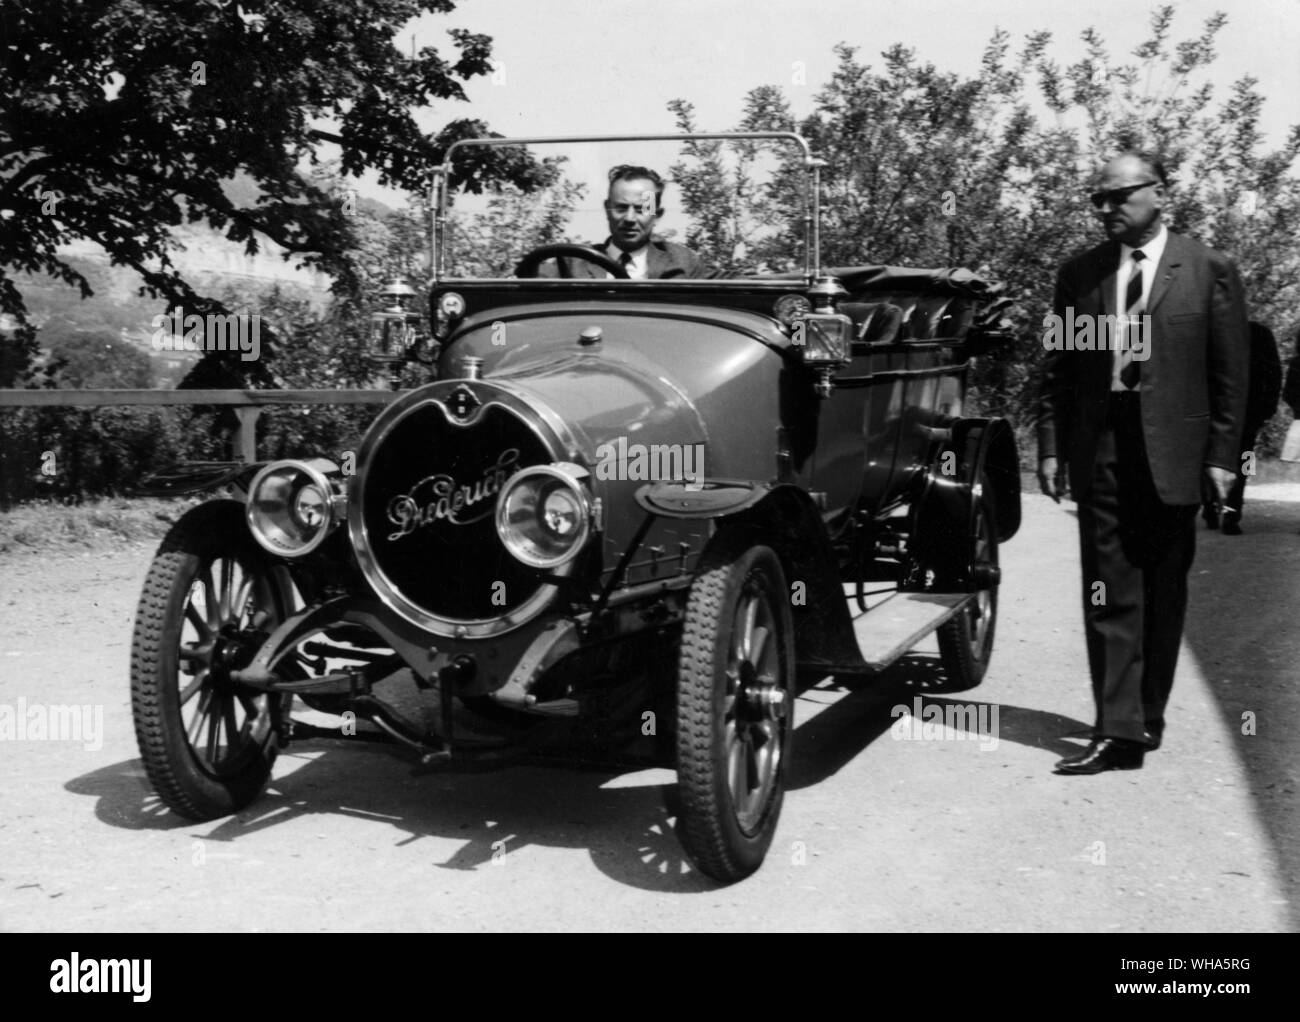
{"points": [[441, 498]]}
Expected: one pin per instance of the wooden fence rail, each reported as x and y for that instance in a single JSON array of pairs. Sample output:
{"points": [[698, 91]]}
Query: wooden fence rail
{"points": [[247, 404]]}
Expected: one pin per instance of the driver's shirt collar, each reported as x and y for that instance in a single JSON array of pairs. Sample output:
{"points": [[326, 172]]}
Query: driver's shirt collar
{"points": [[637, 268]]}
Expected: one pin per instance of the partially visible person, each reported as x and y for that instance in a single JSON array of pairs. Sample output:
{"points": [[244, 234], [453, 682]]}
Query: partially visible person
{"points": [[633, 206], [1291, 389], [1261, 402], [1291, 395]]}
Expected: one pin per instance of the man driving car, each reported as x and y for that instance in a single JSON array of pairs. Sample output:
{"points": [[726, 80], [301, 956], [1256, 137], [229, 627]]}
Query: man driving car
{"points": [[633, 206]]}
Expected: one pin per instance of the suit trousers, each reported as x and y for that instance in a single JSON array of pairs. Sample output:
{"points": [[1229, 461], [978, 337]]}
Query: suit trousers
{"points": [[1140, 550]]}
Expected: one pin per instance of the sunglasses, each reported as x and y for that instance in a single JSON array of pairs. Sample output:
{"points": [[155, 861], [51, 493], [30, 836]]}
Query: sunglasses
{"points": [[1117, 196]]}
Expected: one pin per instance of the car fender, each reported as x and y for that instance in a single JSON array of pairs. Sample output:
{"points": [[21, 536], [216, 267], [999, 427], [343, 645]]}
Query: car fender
{"points": [[941, 514], [784, 517], [200, 476]]}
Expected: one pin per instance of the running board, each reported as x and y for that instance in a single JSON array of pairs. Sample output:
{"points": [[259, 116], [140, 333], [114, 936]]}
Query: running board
{"points": [[896, 624]]}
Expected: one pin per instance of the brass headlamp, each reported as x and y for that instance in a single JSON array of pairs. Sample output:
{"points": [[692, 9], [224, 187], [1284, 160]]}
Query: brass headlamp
{"points": [[395, 328]]}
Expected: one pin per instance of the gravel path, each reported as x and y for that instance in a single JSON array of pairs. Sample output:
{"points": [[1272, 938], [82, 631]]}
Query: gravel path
{"points": [[878, 833]]}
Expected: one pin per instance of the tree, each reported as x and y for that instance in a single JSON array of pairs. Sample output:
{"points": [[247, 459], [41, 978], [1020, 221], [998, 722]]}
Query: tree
{"points": [[488, 242], [732, 213], [1229, 191], [928, 168], [323, 350], [122, 119]]}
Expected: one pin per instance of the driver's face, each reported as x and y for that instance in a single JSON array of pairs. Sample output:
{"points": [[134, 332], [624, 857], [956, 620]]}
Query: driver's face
{"points": [[631, 211]]}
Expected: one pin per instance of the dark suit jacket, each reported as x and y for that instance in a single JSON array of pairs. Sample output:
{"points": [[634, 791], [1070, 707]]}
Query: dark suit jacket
{"points": [[1193, 385], [664, 259]]}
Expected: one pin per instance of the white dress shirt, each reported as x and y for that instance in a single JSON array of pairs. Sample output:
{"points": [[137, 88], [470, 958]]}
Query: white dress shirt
{"points": [[1151, 252], [636, 269]]}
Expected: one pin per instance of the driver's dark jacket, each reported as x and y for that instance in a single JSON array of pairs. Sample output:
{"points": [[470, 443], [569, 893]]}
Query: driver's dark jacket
{"points": [[664, 259]]}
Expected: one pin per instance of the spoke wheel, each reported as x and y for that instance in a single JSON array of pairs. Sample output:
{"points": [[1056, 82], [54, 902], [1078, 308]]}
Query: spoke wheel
{"points": [[966, 642], [735, 709], [211, 597]]}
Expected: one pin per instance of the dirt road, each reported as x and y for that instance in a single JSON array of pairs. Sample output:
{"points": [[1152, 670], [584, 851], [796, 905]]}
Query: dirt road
{"points": [[879, 832]]}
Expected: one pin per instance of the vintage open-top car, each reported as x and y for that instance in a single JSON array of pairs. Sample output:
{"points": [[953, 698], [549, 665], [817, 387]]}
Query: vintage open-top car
{"points": [[625, 516]]}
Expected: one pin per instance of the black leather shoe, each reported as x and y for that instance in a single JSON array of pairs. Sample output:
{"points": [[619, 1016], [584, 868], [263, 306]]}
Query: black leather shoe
{"points": [[1105, 754], [1211, 518], [1231, 525], [1153, 741]]}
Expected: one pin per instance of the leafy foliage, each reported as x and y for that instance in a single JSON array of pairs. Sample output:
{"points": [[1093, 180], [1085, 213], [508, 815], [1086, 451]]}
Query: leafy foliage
{"points": [[95, 358], [737, 222], [322, 351], [109, 132], [487, 242], [72, 453], [932, 168], [122, 119]]}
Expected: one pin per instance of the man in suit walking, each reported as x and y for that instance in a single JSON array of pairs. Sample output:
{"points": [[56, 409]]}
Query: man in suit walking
{"points": [[1137, 423], [633, 207]]}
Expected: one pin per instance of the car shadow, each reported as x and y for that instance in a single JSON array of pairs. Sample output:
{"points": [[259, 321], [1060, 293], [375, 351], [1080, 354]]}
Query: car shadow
{"points": [[837, 735], [490, 813], [625, 819]]}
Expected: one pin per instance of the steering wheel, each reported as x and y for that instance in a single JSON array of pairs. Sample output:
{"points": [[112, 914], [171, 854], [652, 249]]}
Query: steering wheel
{"points": [[527, 266]]}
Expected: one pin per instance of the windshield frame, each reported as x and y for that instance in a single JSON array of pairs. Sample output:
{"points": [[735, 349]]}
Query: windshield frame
{"points": [[439, 194]]}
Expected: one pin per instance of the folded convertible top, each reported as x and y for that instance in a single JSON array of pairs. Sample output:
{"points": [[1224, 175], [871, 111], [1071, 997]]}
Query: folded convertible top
{"points": [[951, 280]]}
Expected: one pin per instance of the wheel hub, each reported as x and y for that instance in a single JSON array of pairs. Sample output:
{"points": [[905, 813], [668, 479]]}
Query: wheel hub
{"points": [[772, 700], [232, 650], [763, 700]]}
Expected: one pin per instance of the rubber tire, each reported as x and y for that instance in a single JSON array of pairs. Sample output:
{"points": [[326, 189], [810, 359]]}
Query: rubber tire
{"points": [[707, 822], [205, 533], [964, 668]]}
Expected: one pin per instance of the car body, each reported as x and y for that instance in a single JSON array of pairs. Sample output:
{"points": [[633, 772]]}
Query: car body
{"points": [[626, 517]]}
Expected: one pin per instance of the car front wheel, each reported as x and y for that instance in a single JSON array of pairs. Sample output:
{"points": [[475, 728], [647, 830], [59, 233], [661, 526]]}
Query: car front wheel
{"points": [[210, 599], [735, 708]]}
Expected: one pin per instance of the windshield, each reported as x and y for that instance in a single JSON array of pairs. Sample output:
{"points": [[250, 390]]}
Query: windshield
{"points": [[645, 209]]}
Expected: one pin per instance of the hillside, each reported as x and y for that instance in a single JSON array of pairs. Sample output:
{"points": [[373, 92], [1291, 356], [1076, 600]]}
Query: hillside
{"points": [[212, 264]]}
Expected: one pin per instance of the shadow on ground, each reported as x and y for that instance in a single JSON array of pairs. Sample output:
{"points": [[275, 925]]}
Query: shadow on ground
{"points": [[830, 740], [627, 828], [1243, 628]]}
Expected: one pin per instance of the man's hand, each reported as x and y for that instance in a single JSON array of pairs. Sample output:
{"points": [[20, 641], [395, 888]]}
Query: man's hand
{"points": [[1221, 480], [1051, 478]]}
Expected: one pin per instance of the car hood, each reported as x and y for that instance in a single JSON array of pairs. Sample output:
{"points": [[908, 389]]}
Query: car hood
{"points": [[658, 374]]}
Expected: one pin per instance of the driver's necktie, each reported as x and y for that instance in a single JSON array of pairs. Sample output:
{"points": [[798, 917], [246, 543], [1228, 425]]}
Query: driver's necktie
{"points": [[625, 261], [1130, 372]]}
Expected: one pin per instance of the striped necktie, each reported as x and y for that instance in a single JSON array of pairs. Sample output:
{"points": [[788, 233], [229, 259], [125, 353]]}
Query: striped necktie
{"points": [[1130, 372]]}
